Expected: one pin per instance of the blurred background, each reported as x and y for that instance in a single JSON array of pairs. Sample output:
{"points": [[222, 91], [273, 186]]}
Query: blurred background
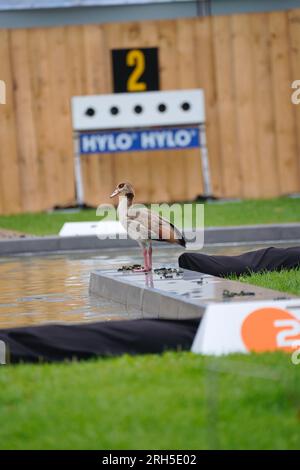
{"points": [[244, 54]]}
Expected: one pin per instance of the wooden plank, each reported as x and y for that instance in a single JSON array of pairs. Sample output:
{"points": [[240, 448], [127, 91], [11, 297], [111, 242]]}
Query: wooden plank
{"points": [[284, 109], [75, 60], [42, 114], [60, 106], [10, 197], [264, 107], [90, 66], [186, 69], [92, 73], [244, 104], [206, 79], [294, 34], [227, 111], [76, 68], [26, 131]]}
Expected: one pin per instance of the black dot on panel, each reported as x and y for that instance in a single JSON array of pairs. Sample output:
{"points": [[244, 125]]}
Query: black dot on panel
{"points": [[114, 110], [90, 112], [162, 108], [185, 106], [138, 109]]}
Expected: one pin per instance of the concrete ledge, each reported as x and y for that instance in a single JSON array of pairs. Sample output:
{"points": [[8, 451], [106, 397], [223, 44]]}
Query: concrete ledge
{"points": [[181, 297], [55, 243], [213, 235], [253, 233]]}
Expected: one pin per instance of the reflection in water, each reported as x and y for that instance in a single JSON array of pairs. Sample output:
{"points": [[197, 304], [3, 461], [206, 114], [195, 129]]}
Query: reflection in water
{"points": [[54, 288], [149, 280]]}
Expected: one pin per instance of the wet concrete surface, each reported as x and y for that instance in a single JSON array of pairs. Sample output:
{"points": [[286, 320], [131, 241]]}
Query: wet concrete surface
{"points": [[180, 295]]}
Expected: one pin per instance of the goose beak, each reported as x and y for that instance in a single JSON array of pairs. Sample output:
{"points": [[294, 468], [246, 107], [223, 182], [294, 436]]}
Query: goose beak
{"points": [[116, 191]]}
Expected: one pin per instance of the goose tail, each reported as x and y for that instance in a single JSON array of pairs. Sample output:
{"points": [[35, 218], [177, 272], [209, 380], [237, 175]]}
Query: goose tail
{"points": [[182, 242]]}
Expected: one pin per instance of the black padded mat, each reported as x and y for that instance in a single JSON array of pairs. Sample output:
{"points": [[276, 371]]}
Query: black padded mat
{"points": [[83, 341], [266, 259]]}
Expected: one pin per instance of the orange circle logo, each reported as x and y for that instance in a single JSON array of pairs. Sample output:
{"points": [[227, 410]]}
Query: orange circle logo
{"points": [[268, 329]]}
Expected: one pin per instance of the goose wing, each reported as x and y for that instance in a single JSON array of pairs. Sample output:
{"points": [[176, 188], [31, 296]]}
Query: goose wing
{"points": [[150, 225]]}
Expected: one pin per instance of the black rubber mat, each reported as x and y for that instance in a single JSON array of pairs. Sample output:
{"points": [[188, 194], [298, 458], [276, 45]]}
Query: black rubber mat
{"points": [[266, 259], [65, 342]]}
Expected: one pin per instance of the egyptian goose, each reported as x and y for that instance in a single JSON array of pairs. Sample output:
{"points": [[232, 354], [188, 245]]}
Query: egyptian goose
{"points": [[143, 225]]}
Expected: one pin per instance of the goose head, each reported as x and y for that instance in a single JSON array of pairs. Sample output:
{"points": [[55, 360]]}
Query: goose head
{"points": [[123, 189]]}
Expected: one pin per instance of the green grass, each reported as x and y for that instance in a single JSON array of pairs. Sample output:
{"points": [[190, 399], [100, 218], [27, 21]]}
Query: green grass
{"points": [[279, 210], [286, 280], [174, 401]]}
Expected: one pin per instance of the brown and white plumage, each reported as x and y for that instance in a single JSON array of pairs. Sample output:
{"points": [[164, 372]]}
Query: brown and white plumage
{"points": [[143, 225]]}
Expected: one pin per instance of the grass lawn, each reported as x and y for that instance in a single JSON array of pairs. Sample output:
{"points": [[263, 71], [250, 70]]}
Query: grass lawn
{"points": [[173, 401], [286, 281], [279, 210]]}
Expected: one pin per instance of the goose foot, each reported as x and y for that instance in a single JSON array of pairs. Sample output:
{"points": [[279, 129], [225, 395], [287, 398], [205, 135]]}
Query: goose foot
{"points": [[147, 268], [142, 270]]}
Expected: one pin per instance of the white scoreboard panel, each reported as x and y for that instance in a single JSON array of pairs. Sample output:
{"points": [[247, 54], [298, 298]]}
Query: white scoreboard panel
{"points": [[130, 110]]}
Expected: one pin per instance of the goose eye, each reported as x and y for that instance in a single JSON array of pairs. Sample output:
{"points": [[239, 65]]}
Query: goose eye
{"points": [[121, 185]]}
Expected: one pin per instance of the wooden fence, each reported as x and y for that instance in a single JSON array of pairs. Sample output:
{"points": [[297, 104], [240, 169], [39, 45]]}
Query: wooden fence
{"points": [[245, 63]]}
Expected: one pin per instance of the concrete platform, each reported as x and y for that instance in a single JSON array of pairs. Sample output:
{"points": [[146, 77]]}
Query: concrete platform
{"points": [[181, 297]]}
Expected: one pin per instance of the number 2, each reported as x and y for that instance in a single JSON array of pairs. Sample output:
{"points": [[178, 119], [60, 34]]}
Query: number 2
{"points": [[285, 337], [135, 58]]}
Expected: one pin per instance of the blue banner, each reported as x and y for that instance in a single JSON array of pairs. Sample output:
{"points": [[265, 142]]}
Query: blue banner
{"points": [[139, 140]]}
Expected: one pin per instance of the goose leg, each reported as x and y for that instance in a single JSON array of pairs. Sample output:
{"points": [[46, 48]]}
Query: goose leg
{"points": [[146, 260], [145, 269]]}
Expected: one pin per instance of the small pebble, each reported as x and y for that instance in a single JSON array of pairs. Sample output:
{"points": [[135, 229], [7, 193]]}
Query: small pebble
{"points": [[130, 267], [242, 293], [168, 273]]}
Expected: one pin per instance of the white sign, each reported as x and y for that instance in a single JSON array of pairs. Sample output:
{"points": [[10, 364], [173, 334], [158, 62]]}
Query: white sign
{"points": [[249, 326], [2, 353], [143, 109], [105, 229]]}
